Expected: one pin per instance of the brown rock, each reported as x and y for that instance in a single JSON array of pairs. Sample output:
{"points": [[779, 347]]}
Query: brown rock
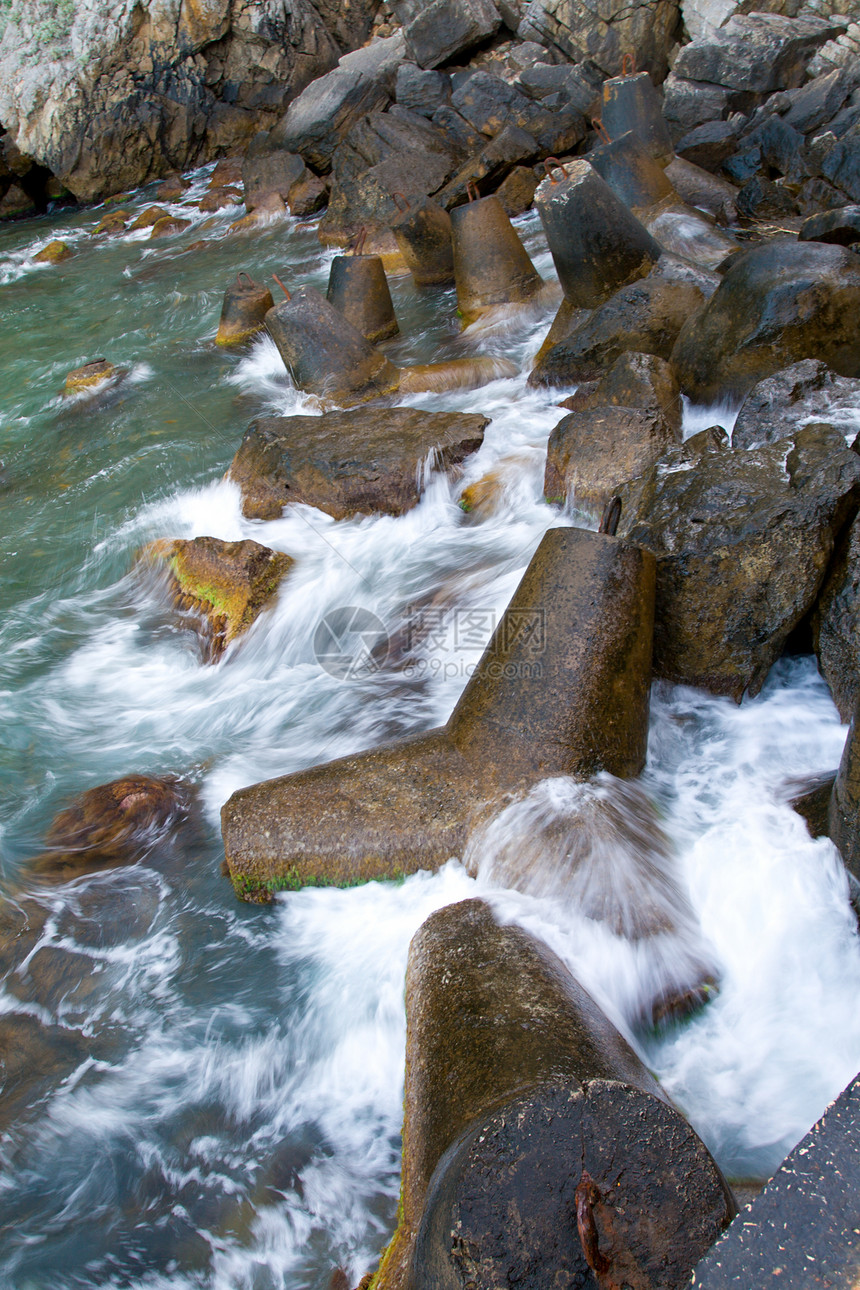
{"points": [[700, 189], [217, 198], [778, 303], [633, 381], [516, 192], [53, 253], [307, 196], [89, 376], [519, 1092], [168, 226], [172, 190], [272, 173], [149, 217], [224, 585], [348, 463], [542, 701], [113, 222], [227, 172], [836, 624], [644, 317], [113, 824], [591, 454], [243, 312], [742, 540]]}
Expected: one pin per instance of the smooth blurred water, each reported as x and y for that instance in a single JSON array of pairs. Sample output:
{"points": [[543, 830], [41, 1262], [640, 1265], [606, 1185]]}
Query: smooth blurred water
{"points": [[218, 1100]]}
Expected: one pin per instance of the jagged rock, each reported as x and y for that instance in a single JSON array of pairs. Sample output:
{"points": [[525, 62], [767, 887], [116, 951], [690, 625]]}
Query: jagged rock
{"points": [[756, 52], [842, 164], [308, 196], [710, 144], [836, 624], [840, 226], [384, 153], [519, 1095], [844, 812], [777, 304], [780, 404], [542, 701], [782, 149], [686, 234], [591, 454], [817, 195], [817, 102], [421, 90], [761, 199], [224, 585], [687, 104], [445, 28], [113, 824], [347, 463], [113, 222], [489, 104], [579, 86], [644, 317], [486, 168], [217, 198], [704, 191], [604, 33], [169, 225], [744, 165], [633, 381], [743, 539], [128, 93], [273, 172]]}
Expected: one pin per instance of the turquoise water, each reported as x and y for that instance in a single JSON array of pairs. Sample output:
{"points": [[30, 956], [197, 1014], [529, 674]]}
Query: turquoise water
{"points": [[211, 1094]]}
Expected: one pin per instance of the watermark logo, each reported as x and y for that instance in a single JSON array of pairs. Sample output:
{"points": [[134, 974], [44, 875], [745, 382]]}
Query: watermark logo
{"points": [[351, 642]]}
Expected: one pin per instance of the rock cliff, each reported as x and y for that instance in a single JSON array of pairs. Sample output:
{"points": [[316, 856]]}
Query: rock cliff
{"points": [[107, 94]]}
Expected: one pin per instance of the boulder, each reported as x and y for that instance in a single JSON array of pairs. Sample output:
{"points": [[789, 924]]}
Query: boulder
{"points": [[169, 226], [756, 52], [308, 196], [818, 101], [348, 463], [840, 226], [272, 172], [778, 303], [223, 586], [444, 29], [542, 701], [489, 104], [780, 404], [842, 164], [836, 624], [578, 86], [644, 318], [421, 89], [124, 95], [783, 149], [89, 376], [113, 222], [761, 199], [148, 217], [709, 145], [54, 253], [634, 380], [687, 234], [591, 454], [743, 539], [323, 114], [516, 192], [113, 824], [486, 168], [704, 191], [687, 104], [521, 1099], [604, 33], [217, 199]]}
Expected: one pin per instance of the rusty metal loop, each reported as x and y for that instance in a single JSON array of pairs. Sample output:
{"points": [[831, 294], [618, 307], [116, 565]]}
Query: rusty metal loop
{"points": [[358, 247], [470, 184], [281, 285], [399, 197], [549, 162], [242, 274], [611, 516], [600, 130], [624, 61]]}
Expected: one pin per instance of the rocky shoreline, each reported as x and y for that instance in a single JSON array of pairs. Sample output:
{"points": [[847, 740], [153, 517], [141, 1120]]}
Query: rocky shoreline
{"points": [[700, 214]]}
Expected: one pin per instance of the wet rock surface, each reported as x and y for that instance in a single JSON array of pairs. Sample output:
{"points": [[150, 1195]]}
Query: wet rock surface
{"points": [[519, 1092], [743, 539], [778, 304], [224, 586], [591, 454], [778, 405], [348, 463]]}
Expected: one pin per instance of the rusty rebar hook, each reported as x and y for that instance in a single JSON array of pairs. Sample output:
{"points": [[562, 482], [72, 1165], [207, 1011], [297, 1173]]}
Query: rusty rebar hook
{"points": [[624, 61], [358, 246], [600, 130], [242, 274], [470, 185], [281, 285], [611, 516], [549, 162], [399, 197]]}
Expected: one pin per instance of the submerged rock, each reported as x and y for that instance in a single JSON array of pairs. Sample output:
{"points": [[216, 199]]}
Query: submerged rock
{"points": [[522, 1103], [54, 253], [778, 405], [225, 585], [113, 824], [348, 463], [542, 701], [89, 376], [743, 539], [777, 304]]}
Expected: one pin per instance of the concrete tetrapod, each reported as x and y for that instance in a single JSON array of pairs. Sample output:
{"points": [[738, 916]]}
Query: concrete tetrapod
{"points": [[358, 287], [243, 313], [631, 171], [491, 265], [562, 689], [537, 1149], [632, 103], [597, 245], [423, 233]]}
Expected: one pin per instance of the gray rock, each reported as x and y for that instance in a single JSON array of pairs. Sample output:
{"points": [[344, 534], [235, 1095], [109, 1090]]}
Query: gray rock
{"points": [[782, 149], [842, 165], [817, 102], [762, 199], [488, 167], [579, 85], [445, 28], [778, 303], [421, 90], [378, 60], [836, 624], [322, 114], [704, 191], [841, 226], [757, 52], [743, 540], [687, 104], [802, 1230], [605, 32], [272, 173], [780, 404], [710, 144], [490, 104]]}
